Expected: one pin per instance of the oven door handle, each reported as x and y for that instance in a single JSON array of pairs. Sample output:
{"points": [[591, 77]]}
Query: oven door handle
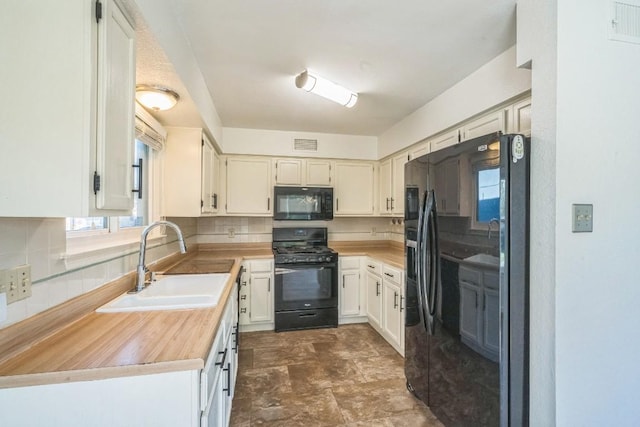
{"points": [[296, 267]]}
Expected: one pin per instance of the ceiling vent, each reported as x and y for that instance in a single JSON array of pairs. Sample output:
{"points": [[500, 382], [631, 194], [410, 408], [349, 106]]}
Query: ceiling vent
{"points": [[624, 24], [300, 144]]}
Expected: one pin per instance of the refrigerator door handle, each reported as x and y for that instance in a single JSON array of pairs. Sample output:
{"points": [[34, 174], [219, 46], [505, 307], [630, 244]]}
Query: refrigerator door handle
{"points": [[420, 262]]}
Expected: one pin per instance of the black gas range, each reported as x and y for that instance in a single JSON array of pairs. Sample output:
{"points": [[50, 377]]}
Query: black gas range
{"points": [[306, 279]]}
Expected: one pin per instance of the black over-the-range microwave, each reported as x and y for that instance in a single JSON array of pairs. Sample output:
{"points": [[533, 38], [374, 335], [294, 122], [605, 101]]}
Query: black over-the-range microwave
{"points": [[303, 203]]}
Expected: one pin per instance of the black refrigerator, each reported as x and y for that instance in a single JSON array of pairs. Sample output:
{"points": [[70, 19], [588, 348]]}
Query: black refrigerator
{"points": [[467, 298]]}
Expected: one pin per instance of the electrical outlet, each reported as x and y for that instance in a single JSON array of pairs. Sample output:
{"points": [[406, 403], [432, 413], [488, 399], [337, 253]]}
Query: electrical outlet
{"points": [[16, 283], [231, 233], [373, 231], [23, 276], [582, 217]]}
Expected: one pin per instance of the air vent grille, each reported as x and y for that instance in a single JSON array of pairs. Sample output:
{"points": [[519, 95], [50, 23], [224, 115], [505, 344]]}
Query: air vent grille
{"points": [[625, 21], [300, 144]]}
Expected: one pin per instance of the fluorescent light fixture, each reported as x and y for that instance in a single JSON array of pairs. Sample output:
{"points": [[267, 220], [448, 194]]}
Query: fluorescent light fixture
{"points": [[157, 98], [320, 86]]}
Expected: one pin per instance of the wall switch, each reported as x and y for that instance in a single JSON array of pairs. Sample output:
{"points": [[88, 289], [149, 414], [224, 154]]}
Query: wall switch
{"points": [[231, 233], [23, 275], [582, 218], [15, 283]]}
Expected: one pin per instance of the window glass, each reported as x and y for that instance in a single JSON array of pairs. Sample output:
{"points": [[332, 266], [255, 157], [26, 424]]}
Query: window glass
{"points": [[87, 224], [488, 203]]}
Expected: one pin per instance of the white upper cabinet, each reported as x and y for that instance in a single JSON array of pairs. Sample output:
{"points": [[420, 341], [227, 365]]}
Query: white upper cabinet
{"points": [[248, 186], [288, 171], [354, 189], [489, 123], [419, 150], [445, 139], [397, 195], [318, 173], [190, 174], [520, 117], [67, 132], [309, 172], [385, 193]]}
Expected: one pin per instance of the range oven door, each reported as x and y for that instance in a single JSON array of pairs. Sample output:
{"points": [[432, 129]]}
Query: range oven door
{"points": [[306, 286]]}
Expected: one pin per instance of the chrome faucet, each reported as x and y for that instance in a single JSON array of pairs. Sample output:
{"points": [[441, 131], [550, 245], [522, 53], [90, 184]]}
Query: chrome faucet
{"points": [[491, 221], [142, 269]]}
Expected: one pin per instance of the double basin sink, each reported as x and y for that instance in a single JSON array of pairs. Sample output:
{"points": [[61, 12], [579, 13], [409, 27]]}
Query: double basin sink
{"points": [[173, 292]]}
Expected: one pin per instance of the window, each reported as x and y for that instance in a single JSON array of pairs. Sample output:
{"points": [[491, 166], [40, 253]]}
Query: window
{"points": [[122, 226]]}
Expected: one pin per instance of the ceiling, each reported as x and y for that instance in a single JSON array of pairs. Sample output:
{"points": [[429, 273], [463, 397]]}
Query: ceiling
{"points": [[396, 55]]}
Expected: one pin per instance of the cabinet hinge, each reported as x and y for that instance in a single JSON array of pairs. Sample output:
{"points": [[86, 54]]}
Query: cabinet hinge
{"points": [[96, 182], [202, 140], [225, 163], [408, 157], [201, 204], [98, 11]]}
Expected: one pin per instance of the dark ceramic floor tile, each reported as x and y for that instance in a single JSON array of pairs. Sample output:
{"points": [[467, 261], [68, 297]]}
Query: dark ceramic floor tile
{"points": [[381, 367], [240, 411], [266, 339], [309, 377], [309, 336], [245, 359], [252, 383], [293, 409], [375, 400], [384, 422], [416, 418], [283, 356], [344, 350]]}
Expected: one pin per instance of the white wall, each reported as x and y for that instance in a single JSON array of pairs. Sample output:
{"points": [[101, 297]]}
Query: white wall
{"points": [[597, 285], [494, 83], [42, 243], [280, 143], [584, 286]]}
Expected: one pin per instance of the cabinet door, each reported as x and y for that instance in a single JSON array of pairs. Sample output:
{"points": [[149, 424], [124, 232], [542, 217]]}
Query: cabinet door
{"points": [[215, 186], [207, 176], [397, 196], [445, 140], [419, 151], [261, 297], [492, 122], [350, 293], [288, 172], [392, 322], [374, 299], [491, 320], [386, 187], [469, 319], [318, 173], [183, 167], [248, 186], [354, 189], [522, 117], [115, 112]]}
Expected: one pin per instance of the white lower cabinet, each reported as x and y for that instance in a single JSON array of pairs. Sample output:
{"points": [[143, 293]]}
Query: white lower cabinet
{"points": [[256, 295], [190, 398], [385, 301], [351, 295]]}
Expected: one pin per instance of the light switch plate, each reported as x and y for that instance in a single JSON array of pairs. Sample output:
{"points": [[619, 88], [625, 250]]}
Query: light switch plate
{"points": [[582, 218]]}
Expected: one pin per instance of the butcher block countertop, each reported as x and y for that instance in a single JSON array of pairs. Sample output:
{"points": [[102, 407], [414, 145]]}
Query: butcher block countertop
{"points": [[72, 342], [391, 253]]}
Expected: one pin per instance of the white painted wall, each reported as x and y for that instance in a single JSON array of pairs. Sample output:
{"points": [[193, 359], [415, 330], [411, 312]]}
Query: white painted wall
{"points": [[584, 287], [162, 21], [280, 143], [494, 83], [597, 285]]}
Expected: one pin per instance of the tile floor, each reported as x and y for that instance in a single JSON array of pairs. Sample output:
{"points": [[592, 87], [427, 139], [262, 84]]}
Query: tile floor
{"points": [[345, 376]]}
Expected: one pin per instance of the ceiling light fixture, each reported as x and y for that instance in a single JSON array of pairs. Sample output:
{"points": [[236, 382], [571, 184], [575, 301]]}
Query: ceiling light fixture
{"points": [[320, 86], [157, 98]]}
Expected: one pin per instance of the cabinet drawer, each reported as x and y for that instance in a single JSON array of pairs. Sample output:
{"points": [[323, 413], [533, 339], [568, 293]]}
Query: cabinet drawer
{"points": [[257, 266], [392, 274], [349, 263], [374, 266], [470, 275], [212, 368]]}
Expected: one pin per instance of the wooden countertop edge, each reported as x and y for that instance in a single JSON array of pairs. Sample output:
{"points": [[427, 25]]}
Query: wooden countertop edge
{"points": [[94, 374]]}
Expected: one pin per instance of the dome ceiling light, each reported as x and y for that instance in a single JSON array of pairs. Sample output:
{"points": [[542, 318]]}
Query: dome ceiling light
{"points": [[156, 98]]}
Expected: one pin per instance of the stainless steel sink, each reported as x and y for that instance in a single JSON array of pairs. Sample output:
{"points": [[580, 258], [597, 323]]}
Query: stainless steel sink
{"points": [[172, 293]]}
